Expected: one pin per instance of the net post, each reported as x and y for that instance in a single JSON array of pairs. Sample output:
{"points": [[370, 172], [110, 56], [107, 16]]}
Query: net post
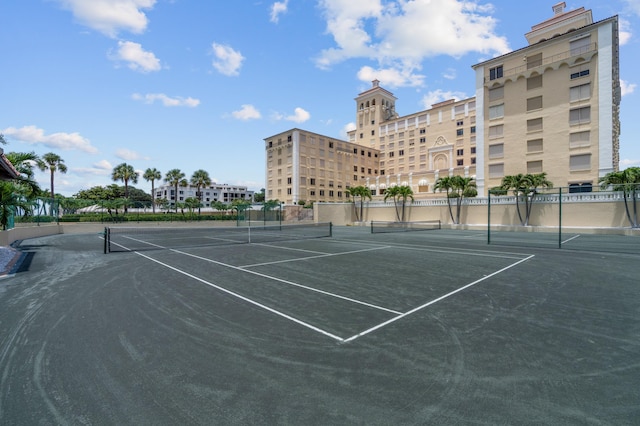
{"points": [[106, 238], [330, 229], [371, 224], [489, 217], [560, 217]]}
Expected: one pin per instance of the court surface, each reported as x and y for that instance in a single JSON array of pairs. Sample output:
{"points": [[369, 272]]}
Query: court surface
{"points": [[431, 327]]}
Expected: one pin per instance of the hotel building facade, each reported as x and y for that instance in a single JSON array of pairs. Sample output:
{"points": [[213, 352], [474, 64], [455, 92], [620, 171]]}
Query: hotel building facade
{"points": [[552, 107]]}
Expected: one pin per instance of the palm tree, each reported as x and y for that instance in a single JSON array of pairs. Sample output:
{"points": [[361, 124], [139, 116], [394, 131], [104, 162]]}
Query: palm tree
{"points": [[125, 173], [174, 177], [362, 192], [445, 184], [525, 186], [627, 181], [152, 175], [54, 163], [464, 187], [399, 193], [200, 179], [11, 199]]}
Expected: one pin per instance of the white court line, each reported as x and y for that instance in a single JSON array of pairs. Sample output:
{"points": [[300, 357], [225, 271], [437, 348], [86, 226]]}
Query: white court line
{"points": [[313, 257], [289, 248], [572, 238], [352, 338], [253, 302], [466, 252], [291, 283]]}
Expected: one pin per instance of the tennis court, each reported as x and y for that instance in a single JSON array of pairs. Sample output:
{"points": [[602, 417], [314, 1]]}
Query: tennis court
{"points": [[433, 327]]}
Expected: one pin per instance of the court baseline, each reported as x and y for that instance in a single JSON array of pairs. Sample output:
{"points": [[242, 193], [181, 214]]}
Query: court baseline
{"points": [[399, 315]]}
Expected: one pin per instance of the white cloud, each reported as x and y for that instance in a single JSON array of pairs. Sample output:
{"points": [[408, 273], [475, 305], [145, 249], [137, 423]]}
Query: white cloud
{"points": [[629, 163], [634, 6], [167, 101], [627, 88], [247, 112], [624, 31], [65, 141], [110, 16], [391, 77], [101, 168], [228, 61], [450, 74], [401, 34], [299, 116], [344, 133], [136, 57], [128, 155], [436, 96], [277, 9]]}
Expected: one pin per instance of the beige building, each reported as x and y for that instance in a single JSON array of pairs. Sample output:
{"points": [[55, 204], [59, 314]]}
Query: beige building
{"points": [[306, 166], [551, 107]]}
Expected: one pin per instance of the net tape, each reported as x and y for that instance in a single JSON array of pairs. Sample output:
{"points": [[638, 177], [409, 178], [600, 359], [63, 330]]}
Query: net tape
{"points": [[128, 238], [378, 227]]}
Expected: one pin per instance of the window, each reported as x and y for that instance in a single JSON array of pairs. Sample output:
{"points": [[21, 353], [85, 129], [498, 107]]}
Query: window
{"points": [[473, 129], [534, 60], [473, 160], [534, 125], [495, 72], [460, 123], [581, 187], [361, 135], [496, 170], [496, 93], [391, 154], [355, 177], [362, 169], [534, 145], [496, 151], [289, 180], [496, 131], [355, 168], [580, 115], [578, 93], [460, 162], [312, 181], [373, 132], [496, 111], [473, 149], [460, 152], [423, 140], [580, 139], [534, 167], [534, 103], [580, 71], [580, 162], [330, 144], [534, 82], [368, 153], [459, 132], [289, 191], [330, 193], [401, 152], [322, 192], [580, 46], [423, 131]]}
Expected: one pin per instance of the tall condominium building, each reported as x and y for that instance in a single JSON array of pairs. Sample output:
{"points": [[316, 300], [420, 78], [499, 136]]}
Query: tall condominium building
{"points": [[552, 107], [210, 194]]}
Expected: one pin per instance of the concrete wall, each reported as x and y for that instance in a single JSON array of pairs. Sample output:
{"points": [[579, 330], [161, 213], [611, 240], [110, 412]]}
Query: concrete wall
{"points": [[586, 210], [22, 233]]}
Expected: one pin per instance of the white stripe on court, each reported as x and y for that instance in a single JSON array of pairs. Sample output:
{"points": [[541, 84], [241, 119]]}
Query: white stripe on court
{"points": [[313, 257], [291, 283], [572, 238], [352, 338], [253, 302]]}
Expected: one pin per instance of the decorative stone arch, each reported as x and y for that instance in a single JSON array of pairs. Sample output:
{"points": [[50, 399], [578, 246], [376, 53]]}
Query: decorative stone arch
{"points": [[441, 154], [423, 185]]}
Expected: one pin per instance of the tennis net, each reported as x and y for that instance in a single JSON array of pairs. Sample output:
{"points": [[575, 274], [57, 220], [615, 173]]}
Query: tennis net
{"points": [[128, 238], [378, 227]]}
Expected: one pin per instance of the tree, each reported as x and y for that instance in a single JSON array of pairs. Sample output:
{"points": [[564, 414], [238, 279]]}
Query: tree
{"points": [[200, 179], [125, 173], [400, 194], [174, 177], [11, 199], [362, 192], [525, 186], [445, 184], [457, 187], [54, 163], [259, 197], [24, 162], [628, 182], [152, 175]]}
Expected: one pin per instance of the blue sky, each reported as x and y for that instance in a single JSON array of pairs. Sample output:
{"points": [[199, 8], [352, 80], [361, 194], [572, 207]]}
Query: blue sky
{"points": [[199, 84]]}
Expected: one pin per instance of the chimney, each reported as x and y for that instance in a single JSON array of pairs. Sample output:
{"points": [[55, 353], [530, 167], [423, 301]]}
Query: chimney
{"points": [[559, 8], [376, 83]]}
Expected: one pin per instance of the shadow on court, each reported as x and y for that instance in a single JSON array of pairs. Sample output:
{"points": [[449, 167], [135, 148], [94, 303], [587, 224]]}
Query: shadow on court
{"points": [[432, 327]]}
